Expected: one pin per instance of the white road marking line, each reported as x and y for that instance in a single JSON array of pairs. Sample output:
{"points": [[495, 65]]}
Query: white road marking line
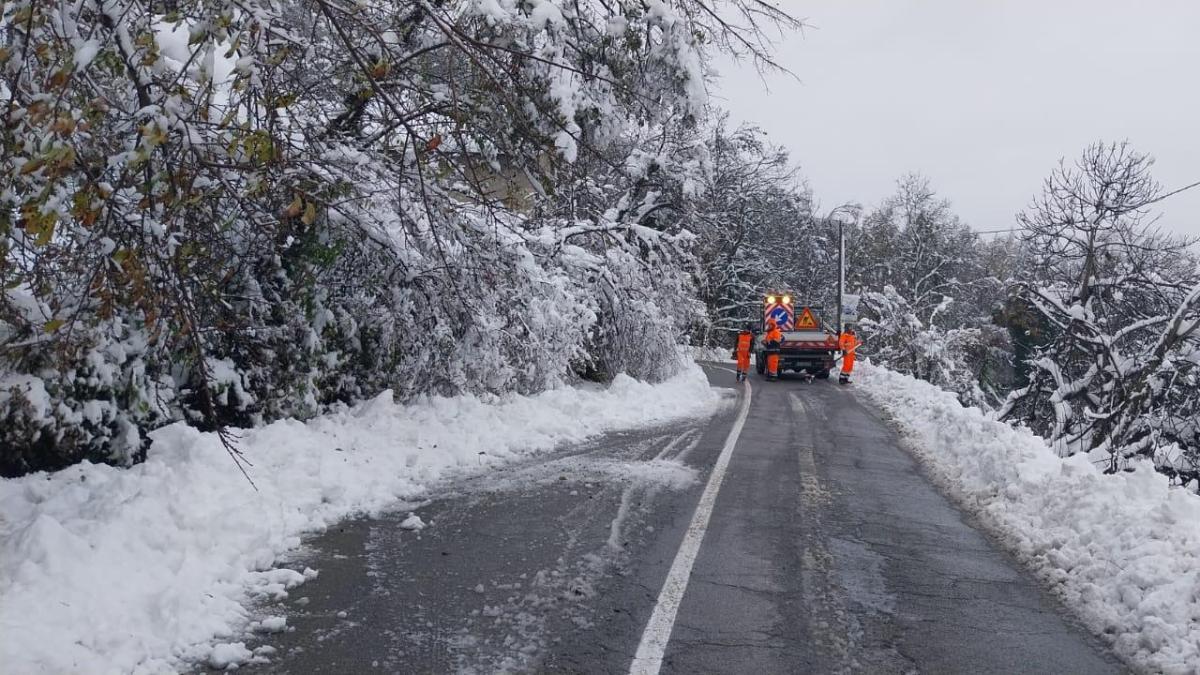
{"points": [[813, 493], [824, 594], [798, 404], [653, 646]]}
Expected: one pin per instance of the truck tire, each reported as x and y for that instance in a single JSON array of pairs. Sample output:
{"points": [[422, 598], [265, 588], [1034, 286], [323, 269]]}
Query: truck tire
{"points": [[823, 375]]}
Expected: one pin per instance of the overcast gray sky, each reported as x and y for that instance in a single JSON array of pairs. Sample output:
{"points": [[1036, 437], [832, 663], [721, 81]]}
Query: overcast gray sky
{"points": [[982, 97]]}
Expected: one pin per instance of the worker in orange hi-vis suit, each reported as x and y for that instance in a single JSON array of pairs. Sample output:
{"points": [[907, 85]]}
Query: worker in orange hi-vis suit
{"points": [[773, 338], [742, 354], [848, 344]]}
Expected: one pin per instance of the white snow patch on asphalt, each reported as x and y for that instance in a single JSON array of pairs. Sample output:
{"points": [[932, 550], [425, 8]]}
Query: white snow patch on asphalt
{"points": [[143, 570], [667, 473], [1122, 550], [271, 624], [655, 472], [412, 522], [229, 653]]}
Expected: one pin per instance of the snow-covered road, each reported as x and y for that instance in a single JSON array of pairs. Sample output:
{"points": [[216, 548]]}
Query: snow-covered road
{"points": [[827, 550]]}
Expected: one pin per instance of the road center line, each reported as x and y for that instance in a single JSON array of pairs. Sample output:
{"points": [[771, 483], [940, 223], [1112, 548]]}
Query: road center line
{"points": [[814, 493], [653, 646]]}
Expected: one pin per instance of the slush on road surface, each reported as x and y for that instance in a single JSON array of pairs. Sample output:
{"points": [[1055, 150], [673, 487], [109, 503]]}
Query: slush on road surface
{"points": [[826, 550]]}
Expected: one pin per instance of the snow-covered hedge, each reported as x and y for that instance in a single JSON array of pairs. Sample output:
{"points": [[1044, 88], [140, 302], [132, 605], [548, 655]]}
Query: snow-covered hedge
{"points": [[1122, 550], [107, 570]]}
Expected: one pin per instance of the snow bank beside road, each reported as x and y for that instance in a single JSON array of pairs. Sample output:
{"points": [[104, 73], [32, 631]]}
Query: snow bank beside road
{"points": [[1123, 550], [107, 570]]}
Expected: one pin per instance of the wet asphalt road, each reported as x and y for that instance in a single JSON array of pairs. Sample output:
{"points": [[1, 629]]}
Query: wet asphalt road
{"points": [[828, 551]]}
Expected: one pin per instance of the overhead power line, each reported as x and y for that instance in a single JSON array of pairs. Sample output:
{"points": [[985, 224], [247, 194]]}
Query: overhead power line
{"points": [[1152, 201], [1173, 192]]}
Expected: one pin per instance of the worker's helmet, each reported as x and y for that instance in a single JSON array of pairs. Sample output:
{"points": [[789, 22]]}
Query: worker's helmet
{"points": [[771, 323]]}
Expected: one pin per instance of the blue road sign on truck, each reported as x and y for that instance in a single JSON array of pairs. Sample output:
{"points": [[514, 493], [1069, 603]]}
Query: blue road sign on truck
{"points": [[781, 311]]}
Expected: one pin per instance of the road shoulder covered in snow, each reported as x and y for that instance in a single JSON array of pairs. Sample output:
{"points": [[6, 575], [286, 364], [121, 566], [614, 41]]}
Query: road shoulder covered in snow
{"points": [[1122, 551], [151, 568]]}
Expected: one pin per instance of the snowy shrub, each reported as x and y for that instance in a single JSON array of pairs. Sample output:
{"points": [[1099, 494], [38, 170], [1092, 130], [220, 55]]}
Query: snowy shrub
{"points": [[969, 361]]}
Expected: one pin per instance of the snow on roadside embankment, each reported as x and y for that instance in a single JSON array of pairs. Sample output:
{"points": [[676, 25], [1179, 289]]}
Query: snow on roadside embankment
{"points": [[1122, 550], [716, 354], [141, 570]]}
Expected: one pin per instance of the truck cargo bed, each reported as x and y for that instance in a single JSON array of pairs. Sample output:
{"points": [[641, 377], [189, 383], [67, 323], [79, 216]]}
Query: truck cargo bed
{"points": [[809, 351]]}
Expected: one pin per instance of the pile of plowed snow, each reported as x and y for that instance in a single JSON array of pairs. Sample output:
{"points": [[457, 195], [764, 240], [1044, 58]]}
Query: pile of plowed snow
{"points": [[148, 569], [1122, 550]]}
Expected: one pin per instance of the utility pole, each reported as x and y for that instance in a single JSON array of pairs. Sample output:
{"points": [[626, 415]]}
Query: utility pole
{"points": [[840, 214], [841, 291]]}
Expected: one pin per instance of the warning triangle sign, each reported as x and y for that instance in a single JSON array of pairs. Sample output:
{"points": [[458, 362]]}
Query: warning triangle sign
{"points": [[806, 320]]}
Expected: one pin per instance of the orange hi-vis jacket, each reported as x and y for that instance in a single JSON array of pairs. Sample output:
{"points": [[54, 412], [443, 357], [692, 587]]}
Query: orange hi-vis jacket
{"points": [[848, 344], [773, 337], [743, 350]]}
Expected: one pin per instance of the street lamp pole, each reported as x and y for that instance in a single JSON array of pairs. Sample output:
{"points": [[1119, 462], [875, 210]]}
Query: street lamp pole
{"points": [[841, 290], [839, 215]]}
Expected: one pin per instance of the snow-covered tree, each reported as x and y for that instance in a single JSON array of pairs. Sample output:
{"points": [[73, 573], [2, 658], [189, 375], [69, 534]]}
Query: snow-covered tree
{"points": [[927, 294], [226, 212], [1114, 308], [755, 233]]}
